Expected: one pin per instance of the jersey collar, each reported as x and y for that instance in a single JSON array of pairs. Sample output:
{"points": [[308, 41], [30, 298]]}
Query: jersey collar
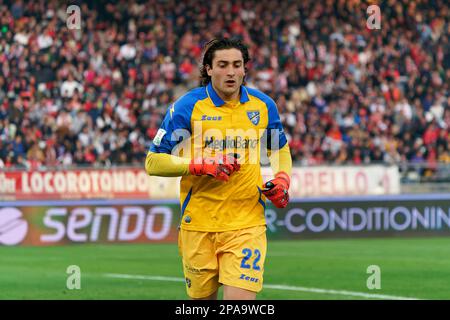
{"points": [[218, 102]]}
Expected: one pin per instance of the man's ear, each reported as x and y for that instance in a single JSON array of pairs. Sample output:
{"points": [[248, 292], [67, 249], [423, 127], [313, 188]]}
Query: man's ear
{"points": [[208, 70]]}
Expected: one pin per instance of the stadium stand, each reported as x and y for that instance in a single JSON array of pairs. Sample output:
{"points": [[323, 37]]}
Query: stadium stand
{"points": [[346, 94]]}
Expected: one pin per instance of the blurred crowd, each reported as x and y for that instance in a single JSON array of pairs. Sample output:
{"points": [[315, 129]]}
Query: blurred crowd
{"points": [[347, 94]]}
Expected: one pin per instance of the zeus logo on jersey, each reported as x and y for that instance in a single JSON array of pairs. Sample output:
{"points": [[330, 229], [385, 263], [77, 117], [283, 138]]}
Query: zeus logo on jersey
{"points": [[208, 118], [230, 143]]}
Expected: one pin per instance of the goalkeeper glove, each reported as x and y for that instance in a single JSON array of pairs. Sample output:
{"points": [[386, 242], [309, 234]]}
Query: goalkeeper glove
{"points": [[219, 167], [277, 190]]}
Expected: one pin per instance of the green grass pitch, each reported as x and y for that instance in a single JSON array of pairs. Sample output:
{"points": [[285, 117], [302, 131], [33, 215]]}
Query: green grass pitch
{"points": [[410, 267]]}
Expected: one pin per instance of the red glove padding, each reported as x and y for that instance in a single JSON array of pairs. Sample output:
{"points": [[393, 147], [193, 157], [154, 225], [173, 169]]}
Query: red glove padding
{"points": [[220, 167], [277, 190]]}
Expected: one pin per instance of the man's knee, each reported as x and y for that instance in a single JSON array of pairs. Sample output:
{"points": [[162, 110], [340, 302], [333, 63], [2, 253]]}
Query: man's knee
{"points": [[234, 293], [210, 297]]}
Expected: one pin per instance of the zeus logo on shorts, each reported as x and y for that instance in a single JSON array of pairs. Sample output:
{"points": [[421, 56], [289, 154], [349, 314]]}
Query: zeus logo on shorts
{"points": [[192, 269], [247, 278]]}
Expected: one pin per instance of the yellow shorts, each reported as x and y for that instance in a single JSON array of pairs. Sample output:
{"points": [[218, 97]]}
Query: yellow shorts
{"points": [[233, 258]]}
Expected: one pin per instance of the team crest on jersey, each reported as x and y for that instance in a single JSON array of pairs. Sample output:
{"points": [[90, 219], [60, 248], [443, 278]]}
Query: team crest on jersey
{"points": [[253, 116]]}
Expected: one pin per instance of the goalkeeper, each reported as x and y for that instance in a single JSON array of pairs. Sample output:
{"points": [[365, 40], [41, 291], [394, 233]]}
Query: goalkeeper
{"points": [[212, 137]]}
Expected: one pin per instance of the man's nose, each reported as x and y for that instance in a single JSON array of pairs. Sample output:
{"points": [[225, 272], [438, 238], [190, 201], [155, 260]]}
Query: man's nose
{"points": [[231, 71]]}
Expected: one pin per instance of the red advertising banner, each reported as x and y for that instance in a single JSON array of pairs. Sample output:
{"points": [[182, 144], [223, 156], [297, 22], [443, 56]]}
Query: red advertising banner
{"points": [[75, 184], [134, 183]]}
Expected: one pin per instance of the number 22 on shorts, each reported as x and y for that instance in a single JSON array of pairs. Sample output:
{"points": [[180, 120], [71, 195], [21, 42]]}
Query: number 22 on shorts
{"points": [[248, 254]]}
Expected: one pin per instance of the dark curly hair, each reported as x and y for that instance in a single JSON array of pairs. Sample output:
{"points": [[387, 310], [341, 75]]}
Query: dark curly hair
{"points": [[220, 44]]}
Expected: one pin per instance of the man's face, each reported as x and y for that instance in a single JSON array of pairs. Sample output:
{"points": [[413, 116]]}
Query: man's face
{"points": [[227, 72]]}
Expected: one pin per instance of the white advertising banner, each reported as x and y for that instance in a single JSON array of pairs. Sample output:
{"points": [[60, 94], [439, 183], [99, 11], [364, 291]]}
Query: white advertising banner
{"points": [[320, 181], [341, 181]]}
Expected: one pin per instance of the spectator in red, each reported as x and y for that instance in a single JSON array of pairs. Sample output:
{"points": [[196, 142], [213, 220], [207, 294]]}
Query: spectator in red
{"points": [[431, 134]]}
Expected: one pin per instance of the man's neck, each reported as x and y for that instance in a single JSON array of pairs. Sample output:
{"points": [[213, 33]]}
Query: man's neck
{"points": [[226, 98]]}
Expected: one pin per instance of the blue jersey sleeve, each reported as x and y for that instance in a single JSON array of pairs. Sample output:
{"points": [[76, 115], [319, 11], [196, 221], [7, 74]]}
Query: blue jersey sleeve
{"points": [[276, 139], [175, 127]]}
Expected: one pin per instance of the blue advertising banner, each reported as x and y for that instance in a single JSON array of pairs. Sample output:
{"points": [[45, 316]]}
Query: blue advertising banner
{"points": [[145, 221]]}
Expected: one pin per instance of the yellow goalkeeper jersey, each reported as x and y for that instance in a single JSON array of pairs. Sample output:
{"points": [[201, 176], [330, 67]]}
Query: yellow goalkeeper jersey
{"points": [[201, 124]]}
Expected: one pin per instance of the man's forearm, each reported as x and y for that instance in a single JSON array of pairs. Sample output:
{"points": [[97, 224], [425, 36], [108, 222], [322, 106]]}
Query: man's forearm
{"points": [[281, 160], [166, 165]]}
